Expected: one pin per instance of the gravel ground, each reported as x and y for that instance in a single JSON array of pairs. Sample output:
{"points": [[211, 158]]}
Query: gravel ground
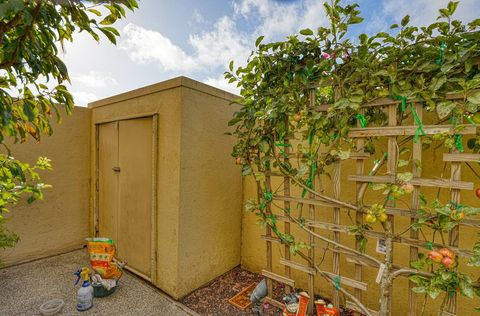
{"points": [[23, 288]]}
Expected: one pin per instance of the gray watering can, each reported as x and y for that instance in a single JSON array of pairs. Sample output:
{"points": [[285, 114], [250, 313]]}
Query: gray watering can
{"points": [[259, 292]]}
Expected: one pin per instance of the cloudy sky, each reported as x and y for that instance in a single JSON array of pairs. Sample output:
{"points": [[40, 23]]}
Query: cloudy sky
{"points": [[164, 39]]}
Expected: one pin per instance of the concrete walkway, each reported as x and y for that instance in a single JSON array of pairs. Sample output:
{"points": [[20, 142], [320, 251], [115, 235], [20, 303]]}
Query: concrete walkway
{"points": [[23, 288]]}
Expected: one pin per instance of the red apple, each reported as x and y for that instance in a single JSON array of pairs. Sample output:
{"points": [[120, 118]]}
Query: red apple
{"points": [[477, 192], [447, 253], [435, 256], [448, 262], [407, 187]]}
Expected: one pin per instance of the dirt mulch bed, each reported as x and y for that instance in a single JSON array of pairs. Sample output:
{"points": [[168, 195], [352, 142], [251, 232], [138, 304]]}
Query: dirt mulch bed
{"points": [[212, 299]]}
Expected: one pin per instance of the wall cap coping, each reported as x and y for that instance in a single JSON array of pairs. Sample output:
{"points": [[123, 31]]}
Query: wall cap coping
{"points": [[173, 83]]}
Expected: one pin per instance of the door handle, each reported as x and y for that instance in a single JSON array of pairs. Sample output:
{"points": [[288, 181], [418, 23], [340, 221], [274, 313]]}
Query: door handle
{"points": [[116, 169]]}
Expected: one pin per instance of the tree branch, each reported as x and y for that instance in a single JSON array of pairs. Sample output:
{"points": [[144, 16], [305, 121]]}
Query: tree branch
{"points": [[332, 282]]}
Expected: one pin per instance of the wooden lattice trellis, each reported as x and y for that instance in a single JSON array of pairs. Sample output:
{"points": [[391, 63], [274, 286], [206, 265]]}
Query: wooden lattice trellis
{"points": [[361, 181]]}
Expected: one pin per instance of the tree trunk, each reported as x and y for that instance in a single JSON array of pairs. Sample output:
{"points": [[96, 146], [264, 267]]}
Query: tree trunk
{"points": [[387, 278]]}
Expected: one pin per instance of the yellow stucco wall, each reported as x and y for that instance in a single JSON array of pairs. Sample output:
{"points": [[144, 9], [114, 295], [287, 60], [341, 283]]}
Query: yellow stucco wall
{"points": [[253, 248], [210, 186], [59, 223], [197, 184]]}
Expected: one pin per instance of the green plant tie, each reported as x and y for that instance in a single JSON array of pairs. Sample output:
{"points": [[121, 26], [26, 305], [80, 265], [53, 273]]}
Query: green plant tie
{"points": [[336, 281], [458, 142], [404, 101], [314, 170], [310, 136], [282, 144], [470, 120], [456, 205], [419, 129], [440, 53], [268, 196], [429, 245], [263, 205], [310, 178], [362, 120], [302, 222]]}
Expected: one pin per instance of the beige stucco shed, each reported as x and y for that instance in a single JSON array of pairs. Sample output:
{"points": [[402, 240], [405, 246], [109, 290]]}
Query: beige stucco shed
{"points": [[150, 168], [165, 187]]}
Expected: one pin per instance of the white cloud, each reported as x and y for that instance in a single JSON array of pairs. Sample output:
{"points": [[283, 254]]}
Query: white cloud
{"points": [[198, 17], [221, 83], [424, 12], [95, 79], [222, 44], [275, 18], [144, 46], [82, 98], [212, 50]]}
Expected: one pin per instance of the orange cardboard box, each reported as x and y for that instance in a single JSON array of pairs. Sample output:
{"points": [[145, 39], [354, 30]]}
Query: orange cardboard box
{"points": [[320, 307], [303, 304]]}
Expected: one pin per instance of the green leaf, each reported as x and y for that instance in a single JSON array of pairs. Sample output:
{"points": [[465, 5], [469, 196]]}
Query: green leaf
{"points": [[452, 6], [471, 107], [109, 20], [405, 176], [379, 186], [419, 289], [109, 35], [263, 146], [437, 83], [259, 176], [112, 30], [444, 13], [257, 42], [445, 108], [417, 279], [94, 11], [474, 98], [306, 32], [246, 170], [405, 20], [403, 163], [466, 288], [355, 20], [433, 293]]}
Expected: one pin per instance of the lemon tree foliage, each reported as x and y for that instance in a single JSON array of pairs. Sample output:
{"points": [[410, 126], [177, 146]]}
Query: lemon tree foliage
{"points": [[284, 84], [33, 77]]}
